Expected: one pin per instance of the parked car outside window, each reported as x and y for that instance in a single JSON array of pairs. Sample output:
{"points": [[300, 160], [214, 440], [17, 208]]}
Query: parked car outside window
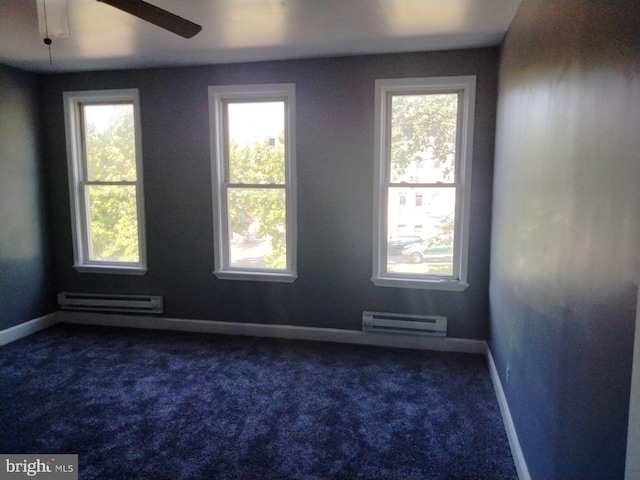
{"points": [[396, 245], [418, 252]]}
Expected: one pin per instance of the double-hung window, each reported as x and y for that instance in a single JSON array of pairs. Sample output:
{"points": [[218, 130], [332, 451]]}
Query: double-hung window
{"points": [[253, 176], [105, 175], [424, 135]]}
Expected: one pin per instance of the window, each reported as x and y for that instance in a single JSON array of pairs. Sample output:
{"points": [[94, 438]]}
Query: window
{"points": [[253, 173], [105, 173], [424, 135]]}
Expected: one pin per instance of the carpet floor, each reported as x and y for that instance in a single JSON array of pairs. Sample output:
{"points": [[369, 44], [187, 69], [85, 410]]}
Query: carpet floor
{"points": [[141, 404]]}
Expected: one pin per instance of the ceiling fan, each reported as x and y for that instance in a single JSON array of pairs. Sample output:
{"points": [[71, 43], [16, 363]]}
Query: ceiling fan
{"points": [[157, 16]]}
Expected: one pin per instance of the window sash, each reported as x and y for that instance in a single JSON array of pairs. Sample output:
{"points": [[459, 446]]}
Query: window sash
{"points": [[388, 122], [227, 136], [91, 241]]}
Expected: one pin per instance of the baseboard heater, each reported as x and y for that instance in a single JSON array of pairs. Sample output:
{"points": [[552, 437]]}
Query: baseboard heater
{"points": [[98, 302], [401, 323]]}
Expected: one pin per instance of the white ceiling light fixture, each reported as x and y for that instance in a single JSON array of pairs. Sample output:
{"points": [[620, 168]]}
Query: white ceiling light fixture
{"points": [[53, 21]]}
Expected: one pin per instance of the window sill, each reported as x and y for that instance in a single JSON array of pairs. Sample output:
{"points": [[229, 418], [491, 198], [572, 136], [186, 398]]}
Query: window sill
{"points": [[257, 276], [112, 269], [420, 284]]}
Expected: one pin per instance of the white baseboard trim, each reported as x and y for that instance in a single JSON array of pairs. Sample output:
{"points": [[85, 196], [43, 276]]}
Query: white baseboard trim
{"points": [[291, 332], [25, 329], [512, 435]]}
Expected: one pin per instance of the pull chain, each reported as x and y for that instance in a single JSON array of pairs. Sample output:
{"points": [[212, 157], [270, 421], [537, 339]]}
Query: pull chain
{"points": [[47, 40]]}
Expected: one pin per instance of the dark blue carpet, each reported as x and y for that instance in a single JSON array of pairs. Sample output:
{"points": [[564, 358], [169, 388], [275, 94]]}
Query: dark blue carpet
{"points": [[165, 405]]}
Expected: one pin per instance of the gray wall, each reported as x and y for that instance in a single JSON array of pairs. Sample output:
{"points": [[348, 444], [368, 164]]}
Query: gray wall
{"points": [[335, 100], [565, 257], [25, 286]]}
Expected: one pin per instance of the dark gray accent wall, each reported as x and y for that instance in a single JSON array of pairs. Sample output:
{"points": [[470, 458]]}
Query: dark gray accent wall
{"points": [[565, 257], [25, 285], [335, 107]]}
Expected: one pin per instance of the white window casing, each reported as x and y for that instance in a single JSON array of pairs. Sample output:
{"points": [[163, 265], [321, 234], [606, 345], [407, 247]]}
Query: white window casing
{"points": [[383, 275], [220, 97], [80, 184]]}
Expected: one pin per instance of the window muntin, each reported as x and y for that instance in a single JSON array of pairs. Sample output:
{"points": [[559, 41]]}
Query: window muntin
{"points": [[423, 152], [105, 166], [253, 164]]}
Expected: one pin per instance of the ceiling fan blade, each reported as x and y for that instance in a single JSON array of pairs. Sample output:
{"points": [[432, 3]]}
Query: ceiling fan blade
{"points": [[157, 16]]}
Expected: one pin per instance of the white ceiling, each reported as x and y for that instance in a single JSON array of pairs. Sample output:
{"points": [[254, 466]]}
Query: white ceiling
{"points": [[103, 37]]}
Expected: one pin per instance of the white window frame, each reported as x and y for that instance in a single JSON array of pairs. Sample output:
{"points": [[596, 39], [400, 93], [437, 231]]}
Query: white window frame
{"points": [[218, 95], [384, 89], [73, 102]]}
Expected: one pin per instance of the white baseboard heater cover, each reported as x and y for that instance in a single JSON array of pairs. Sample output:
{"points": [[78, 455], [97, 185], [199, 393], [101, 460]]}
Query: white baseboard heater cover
{"points": [[98, 302], [401, 323]]}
